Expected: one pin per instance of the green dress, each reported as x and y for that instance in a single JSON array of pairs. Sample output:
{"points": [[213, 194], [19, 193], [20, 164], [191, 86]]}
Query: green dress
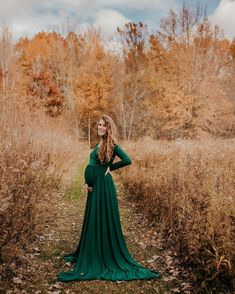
{"points": [[102, 253]]}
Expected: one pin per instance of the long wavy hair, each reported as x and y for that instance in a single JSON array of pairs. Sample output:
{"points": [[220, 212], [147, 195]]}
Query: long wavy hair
{"points": [[109, 140]]}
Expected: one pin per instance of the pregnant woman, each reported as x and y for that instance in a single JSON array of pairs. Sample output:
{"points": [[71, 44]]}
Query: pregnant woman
{"points": [[102, 253]]}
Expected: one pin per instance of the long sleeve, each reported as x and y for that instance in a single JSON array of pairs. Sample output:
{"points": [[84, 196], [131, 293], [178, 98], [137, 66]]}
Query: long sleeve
{"points": [[125, 159]]}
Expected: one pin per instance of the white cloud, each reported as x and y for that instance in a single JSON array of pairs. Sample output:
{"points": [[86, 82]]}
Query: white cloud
{"points": [[11, 8], [27, 17], [133, 4], [224, 16], [108, 20], [33, 24]]}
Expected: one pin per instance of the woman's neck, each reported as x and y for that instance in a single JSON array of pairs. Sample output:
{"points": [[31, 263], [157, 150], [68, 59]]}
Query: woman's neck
{"points": [[101, 142]]}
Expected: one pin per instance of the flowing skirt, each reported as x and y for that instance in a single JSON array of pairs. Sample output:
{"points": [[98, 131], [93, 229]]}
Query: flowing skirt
{"points": [[102, 253]]}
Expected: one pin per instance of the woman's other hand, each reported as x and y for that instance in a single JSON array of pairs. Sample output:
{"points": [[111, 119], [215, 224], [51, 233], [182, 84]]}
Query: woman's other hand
{"points": [[108, 171]]}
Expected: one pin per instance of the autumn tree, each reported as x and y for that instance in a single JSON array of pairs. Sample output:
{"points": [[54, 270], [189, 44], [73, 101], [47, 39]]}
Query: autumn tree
{"points": [[74, 57], [94, 83], [8, 75], [229, 81], [7, 61], [172, 83], [40, 62], [192, 58], [136, 81]]}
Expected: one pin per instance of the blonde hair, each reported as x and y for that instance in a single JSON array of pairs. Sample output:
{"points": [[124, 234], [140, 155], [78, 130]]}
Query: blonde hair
{"points": [[109, 139]]}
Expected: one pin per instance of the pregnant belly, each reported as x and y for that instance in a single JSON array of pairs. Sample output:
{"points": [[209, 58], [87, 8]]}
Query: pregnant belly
{"points": [[92, 172], [90, 175]]}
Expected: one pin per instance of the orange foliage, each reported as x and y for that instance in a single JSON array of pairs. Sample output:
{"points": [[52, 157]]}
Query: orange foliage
{"points": [[177, 82]]}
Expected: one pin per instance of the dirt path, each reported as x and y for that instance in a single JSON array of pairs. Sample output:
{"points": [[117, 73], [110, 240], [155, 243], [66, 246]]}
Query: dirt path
{"points": [[62, 235]]}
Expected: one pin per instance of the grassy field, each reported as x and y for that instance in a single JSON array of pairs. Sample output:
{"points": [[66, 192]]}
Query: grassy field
{"points": [[61, 235], [186, 189], [177, 212]]}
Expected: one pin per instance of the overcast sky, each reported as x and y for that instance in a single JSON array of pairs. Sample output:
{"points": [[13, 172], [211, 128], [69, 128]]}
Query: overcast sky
{"points": [[27, 17]]}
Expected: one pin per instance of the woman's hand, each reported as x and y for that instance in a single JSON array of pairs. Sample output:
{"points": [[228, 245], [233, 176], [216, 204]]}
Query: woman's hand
{"points": [[90, 189], [108, 171]]}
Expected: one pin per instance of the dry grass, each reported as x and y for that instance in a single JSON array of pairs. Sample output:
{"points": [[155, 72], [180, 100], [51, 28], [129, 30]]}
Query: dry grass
{"points": [[186, 189], [35, 160]]}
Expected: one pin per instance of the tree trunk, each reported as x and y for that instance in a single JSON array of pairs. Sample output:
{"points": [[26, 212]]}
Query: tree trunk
{"points": [[132, 118], [89, 131]]}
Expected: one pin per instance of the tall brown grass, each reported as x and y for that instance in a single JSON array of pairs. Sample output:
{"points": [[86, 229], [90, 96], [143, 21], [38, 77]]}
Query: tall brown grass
{"points": [[35, 158], [187, 190]]}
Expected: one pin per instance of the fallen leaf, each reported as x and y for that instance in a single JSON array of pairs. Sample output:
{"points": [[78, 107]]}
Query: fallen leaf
{"points": [[17, 280]]}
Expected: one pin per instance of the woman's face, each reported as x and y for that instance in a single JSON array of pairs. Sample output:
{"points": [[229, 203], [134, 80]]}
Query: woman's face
{"points": [[102, 128]]}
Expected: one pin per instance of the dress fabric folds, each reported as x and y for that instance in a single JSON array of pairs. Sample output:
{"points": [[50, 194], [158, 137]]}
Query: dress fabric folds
{"points": [[102, 253]]}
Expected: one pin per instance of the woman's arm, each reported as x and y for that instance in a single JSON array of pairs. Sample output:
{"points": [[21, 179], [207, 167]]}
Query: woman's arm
{"points": [[125, 159]]}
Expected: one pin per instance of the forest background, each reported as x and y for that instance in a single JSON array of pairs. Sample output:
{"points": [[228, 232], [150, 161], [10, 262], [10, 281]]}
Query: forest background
{"points": [[171, 94]]}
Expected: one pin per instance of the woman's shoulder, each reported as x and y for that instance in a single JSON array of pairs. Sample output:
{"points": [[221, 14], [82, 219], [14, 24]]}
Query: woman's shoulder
{"points": [[116, 147], [93, 146]]}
